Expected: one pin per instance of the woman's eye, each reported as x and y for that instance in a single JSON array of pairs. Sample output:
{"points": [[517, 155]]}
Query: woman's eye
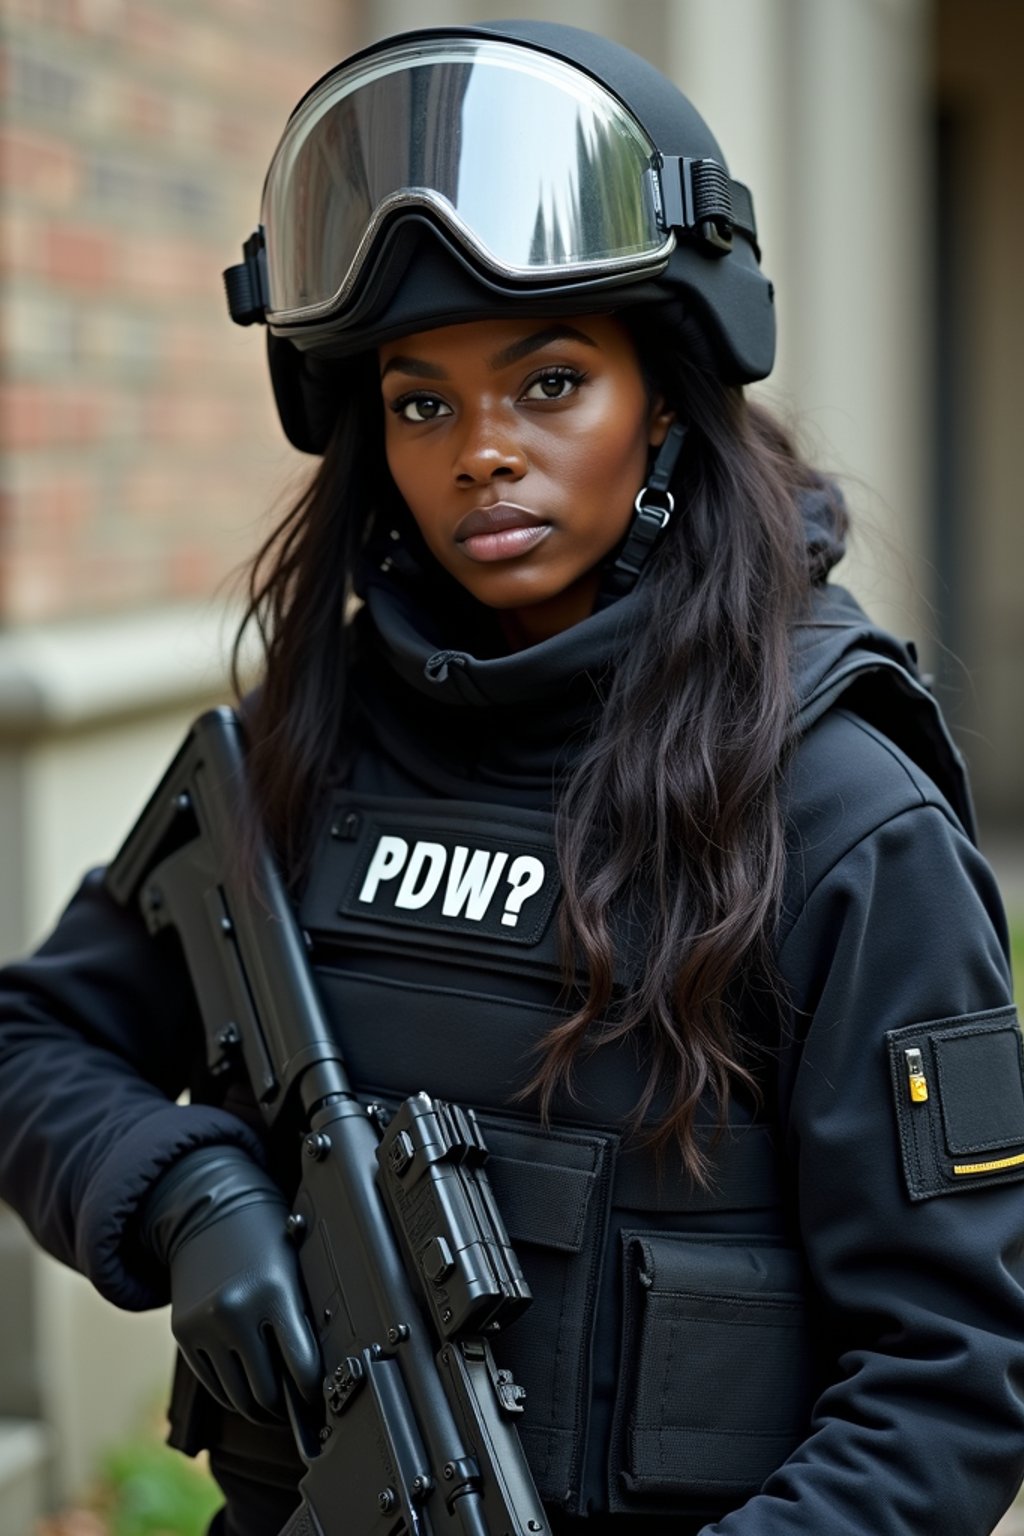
{"points": [[554, 384], [420, 408]]}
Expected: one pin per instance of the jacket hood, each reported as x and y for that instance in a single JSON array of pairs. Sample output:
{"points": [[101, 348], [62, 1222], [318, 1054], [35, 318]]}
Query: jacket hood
{"points": [[443, 645], [841, 656]]}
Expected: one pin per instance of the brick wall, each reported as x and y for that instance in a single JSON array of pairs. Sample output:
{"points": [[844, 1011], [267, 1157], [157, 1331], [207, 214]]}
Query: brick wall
{"points": [[141, 447]]}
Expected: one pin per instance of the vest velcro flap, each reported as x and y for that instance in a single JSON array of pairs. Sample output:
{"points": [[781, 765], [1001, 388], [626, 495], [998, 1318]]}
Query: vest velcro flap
{"points": [[436, 875], [543, 1181], [958, 1090], [552, 1188]]}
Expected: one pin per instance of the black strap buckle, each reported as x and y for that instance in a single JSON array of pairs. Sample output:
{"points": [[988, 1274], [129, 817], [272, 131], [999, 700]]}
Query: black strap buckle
{"points": [[246, 285], [650, 521], [701, 199], [654, 506]]}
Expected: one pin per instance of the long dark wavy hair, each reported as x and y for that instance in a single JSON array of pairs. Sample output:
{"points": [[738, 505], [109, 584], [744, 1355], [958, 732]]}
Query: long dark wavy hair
{"points": [[671, 810]]}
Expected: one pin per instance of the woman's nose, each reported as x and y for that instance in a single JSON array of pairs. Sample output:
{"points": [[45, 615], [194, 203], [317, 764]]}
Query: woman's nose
{"points": [[489, 449]]}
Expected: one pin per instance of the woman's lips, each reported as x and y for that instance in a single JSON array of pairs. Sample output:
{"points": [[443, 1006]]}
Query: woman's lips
{"points": [[500, 532]]}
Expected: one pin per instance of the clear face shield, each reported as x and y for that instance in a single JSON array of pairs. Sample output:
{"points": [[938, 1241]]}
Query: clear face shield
{"points": [[536, 170], [535, 173]]}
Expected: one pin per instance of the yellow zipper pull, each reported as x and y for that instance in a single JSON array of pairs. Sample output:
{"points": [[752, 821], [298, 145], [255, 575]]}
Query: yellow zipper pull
{"points": [[916, 1079]]}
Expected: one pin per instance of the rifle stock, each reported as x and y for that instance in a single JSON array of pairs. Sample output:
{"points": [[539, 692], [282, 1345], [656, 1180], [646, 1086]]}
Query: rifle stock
{"points": [[403, 1255]]}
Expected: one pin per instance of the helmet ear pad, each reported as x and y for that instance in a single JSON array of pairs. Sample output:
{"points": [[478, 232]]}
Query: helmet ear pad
{"points": [[727, 309], [309, 392]]}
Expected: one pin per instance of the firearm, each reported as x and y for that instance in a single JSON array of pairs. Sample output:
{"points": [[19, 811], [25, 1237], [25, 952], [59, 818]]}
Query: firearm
{"points": [[403, 1254]]}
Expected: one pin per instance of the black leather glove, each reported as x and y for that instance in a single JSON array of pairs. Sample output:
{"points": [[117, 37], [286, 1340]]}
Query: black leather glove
{"points": [[237, 1305]]}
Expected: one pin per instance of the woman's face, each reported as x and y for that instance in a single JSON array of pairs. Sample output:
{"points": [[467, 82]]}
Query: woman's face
{"points": [[519, 447]]}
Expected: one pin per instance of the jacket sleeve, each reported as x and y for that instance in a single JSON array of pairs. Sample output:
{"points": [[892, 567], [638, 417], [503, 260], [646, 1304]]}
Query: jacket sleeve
{"points": [[914, 1247], [98, 1032]]}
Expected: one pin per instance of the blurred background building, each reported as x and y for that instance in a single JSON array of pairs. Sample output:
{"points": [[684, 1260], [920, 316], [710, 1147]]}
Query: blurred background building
{"points": [[143, 461]]}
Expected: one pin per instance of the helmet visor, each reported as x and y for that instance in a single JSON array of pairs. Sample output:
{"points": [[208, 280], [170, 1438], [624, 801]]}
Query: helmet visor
{"points": [[534, 167]]}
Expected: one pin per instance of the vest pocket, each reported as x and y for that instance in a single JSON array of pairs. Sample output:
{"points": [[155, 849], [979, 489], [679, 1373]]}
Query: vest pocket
{"points": [[717, 1376], [552, 1190]]}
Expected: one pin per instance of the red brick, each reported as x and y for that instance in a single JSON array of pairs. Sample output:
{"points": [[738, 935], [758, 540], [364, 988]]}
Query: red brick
{"points": [[78, 255], [23, 415], [143, 445], [34, 415], [44, 506], [46, 13], [43, 168], [19, 241], [191, 571], [147, 30], [187, 346], [149, 493], [6, 506], [32, 591], [147, 112], [165, 267], [107, 17]]}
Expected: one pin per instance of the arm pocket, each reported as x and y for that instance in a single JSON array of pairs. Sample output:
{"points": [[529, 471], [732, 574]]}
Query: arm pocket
{"points": [[958, 1090], [718, 1372]]}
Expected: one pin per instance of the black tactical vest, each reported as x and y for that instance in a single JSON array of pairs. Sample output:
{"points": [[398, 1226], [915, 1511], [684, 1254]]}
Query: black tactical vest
{"points": [[667, 1357]]}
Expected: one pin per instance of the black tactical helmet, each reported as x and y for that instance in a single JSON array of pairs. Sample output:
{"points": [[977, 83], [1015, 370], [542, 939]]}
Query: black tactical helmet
{"points": [[458, 173]]}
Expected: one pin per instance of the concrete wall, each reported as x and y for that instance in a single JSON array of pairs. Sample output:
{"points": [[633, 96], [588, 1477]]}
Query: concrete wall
{"points": [[822, 106], [90, 713]]}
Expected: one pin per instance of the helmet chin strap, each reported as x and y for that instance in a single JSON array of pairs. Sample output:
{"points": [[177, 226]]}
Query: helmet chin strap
{"points": [[654, 506]]}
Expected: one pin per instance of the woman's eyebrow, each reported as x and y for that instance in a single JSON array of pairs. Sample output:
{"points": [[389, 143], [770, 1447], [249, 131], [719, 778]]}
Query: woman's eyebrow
{"points": [[533, 343], [414, 365], [420, 369]]}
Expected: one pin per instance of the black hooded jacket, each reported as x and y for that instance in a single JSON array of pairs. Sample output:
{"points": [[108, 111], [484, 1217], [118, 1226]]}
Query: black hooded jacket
{"points": [[831, 1338]]}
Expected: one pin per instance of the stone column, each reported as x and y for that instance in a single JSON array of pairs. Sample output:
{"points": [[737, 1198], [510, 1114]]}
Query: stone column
{"points": [[822, 106]]}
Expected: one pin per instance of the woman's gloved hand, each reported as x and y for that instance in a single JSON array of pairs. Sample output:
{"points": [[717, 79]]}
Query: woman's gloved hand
{"points": [[217, 1221]]}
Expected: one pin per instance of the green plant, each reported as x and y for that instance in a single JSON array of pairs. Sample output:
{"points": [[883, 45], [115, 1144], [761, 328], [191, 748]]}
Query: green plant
{"points": [[149, 1490]]}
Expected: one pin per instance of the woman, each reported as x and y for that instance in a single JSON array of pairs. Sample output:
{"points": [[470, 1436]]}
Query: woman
{"points": [[605, 815]]}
